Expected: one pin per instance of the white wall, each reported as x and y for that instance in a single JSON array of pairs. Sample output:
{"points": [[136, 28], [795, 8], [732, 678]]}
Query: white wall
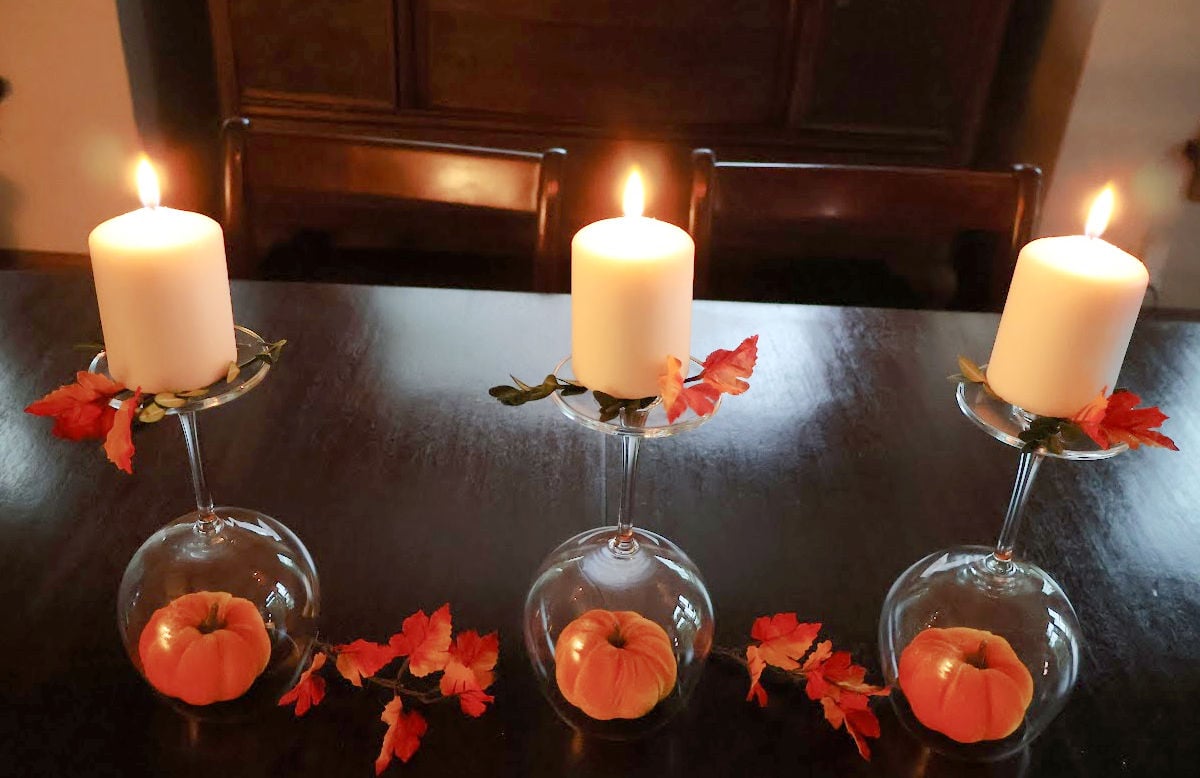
{"points": [[67, 134], [1137, 103]]}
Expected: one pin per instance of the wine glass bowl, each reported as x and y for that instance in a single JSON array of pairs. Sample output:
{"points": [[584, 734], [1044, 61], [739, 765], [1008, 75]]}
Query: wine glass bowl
{"points": [[992, 590], [618, 571], [235, 560], [657, 581], [246, 554], [959, 587]]}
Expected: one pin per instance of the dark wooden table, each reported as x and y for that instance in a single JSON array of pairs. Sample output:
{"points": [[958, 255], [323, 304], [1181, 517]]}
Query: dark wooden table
{"points": [[376, 442]]}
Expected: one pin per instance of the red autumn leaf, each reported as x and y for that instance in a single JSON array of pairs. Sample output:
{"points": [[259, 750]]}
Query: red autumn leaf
{"points": [[469, 671], [1090, 417], [839, 684], [756, 666], [80, 410], [840, 673], [459, 681], [477, 654], [677, 398], [670, 386], [862, 724], [724, 370], [1117, 420], [362, 658], [783, 639], [823, 651], [425, 640], [701, 398], [118, 444], [403, 736], [309, 690]]}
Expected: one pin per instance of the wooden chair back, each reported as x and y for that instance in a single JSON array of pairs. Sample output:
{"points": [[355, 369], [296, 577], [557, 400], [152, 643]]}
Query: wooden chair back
{"points": [[861, 235], [362, 187]]}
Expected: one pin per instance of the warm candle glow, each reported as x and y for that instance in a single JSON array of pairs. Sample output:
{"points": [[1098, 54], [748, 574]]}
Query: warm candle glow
{"points": [[147, 183], [635, 195], [1102, 208]]}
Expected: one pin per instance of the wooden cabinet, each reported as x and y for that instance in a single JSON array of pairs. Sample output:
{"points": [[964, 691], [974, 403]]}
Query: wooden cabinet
{"points": [[620, 81]]}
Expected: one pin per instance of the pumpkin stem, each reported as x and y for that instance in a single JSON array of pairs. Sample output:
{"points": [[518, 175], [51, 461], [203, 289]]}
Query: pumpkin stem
{"points": [[979, 657], [616, 639], [211, 622]]}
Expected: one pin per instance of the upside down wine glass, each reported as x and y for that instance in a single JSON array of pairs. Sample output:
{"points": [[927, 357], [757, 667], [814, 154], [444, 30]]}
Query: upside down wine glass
{"points": [[217, 609], [619, 569], [993, 590]]}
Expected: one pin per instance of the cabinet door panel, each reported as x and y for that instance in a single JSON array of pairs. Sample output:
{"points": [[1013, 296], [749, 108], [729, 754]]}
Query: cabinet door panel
{"points": [[917, 67], [325, 51], [620, 63]]}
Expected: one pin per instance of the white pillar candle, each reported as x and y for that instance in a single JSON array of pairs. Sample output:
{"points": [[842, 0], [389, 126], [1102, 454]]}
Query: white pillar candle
{"points": [[163, 291], [1067, 320], [631, 300]]}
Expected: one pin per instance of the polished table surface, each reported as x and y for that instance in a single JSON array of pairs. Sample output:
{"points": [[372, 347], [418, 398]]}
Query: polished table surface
{"points": [[376, 442]]}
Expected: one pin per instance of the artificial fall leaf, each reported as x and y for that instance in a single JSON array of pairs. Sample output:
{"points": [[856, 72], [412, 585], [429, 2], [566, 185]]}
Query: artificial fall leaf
{"points": [[425, 640], [309, 690], [670, 387], [403, 736], [840, 671], [118, 443], [862, 724], [459, 681], [783, 639], [80, 410], [844, 695], [823, 651], [477, 654], [362, 658], [1115, 419], [724, 370], [469, 671], [677, 398], [756, 665], [830, 677]]}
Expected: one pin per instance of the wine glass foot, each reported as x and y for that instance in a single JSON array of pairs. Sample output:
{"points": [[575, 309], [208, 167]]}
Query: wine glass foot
{"points": [[651, 577], [248, 556], [1016, 600]]}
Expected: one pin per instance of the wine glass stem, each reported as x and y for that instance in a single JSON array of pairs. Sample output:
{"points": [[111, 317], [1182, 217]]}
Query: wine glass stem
{"points": [[630, 448], [191, 437], [1027, 469]]}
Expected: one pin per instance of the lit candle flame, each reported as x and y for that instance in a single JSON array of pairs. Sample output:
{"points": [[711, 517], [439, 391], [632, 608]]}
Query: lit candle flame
{"points": [[1102, 208], [147, 183], [635, 195]]}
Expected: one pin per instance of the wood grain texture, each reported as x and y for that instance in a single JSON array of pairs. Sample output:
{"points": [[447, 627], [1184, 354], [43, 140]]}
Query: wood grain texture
{"points": [[859, 234], [855, 80], [376, 442]]}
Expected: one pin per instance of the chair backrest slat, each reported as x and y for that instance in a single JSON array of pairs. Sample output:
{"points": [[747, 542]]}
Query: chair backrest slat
{"points": [[264, 161], [745, 198]]}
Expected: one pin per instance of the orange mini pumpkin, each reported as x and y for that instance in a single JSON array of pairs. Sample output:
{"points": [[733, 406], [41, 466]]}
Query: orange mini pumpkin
{"points": [[614, 664], [966, 683], [204, 647]]}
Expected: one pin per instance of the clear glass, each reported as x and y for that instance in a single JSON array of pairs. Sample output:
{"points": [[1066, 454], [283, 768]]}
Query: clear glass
{"points": [[620, 568], [224, 549], [992, 589]]}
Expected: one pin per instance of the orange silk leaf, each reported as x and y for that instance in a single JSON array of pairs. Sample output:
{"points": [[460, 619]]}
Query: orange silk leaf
{"points": [[362, 659], [309, 690], [403, 736], [425, 640]]}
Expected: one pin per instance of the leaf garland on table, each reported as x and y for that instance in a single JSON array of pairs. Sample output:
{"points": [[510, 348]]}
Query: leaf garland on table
{"points": [[829, 677], [1107, 420], [82, 411], [723, 372], [466, 662]]}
